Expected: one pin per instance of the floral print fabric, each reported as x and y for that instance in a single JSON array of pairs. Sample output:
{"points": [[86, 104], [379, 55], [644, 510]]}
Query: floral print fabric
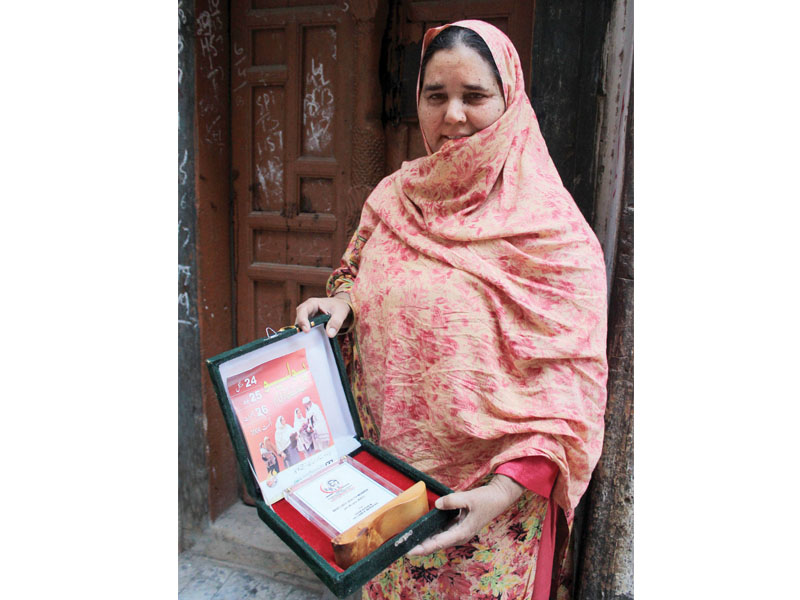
{"points": [[480, 299], [499, 562]]}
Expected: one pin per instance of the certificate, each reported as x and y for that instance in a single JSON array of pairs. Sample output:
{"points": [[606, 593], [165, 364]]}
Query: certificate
{"points": [[339, 496], [278, 407]]}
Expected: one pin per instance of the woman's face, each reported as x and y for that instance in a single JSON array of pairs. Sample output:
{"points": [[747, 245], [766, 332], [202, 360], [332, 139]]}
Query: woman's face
{"points": [[458, 97]]}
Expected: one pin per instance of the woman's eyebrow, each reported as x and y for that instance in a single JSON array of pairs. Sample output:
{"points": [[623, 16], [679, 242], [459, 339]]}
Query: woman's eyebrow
{"points": [[435, 87]]}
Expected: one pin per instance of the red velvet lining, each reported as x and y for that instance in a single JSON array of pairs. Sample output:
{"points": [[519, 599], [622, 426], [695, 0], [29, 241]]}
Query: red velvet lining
{"points": [[318, 540]]}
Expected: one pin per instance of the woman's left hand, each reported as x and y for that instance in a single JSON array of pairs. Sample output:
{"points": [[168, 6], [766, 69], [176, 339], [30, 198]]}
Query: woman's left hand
{"points": [[478, 507]]}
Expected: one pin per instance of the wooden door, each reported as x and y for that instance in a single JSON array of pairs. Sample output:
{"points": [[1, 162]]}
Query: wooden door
{"points": [[292, 112], [313, 131]]}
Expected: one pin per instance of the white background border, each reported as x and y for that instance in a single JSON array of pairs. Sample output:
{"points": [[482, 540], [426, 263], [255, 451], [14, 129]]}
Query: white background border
{"points": [[89, 243]]}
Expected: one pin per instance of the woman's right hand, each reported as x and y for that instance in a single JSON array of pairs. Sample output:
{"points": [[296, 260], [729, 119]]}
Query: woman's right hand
{"points": [[337, 307]]}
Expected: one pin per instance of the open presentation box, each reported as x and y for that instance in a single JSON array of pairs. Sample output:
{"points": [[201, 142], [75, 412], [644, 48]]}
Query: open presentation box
{"points": [[267, 389]]}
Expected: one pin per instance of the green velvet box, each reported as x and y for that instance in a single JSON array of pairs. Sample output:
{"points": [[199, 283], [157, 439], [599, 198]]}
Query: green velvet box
{"points": [[317, 359]]}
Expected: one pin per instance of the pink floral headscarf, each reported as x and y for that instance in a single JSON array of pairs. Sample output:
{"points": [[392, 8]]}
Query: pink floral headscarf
{"points": [[480, 295]]}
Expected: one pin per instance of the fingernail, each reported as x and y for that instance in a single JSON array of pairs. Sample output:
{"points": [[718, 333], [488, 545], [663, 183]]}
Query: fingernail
{"points": [[438, 503], [331, 331]]}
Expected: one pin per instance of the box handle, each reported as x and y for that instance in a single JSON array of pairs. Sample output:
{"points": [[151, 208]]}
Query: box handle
{"points": [[272, 333]]}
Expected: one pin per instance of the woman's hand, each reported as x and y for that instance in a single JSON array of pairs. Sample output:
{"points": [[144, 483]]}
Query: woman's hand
{"points": [[478, 507], [337, 307]]}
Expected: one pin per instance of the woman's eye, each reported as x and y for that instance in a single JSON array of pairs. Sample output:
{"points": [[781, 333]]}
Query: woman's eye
{"points": [[475, 97]]}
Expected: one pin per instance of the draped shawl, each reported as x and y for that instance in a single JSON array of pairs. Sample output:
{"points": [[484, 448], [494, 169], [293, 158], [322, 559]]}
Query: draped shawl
{"points": [[480, 299]]}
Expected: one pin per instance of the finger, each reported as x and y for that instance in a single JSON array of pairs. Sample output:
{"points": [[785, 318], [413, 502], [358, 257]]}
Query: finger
{"points": [[302, 313], [339, 311], [301, 316], [452, 501], [453, 536], [424, 548], [416, 551]]}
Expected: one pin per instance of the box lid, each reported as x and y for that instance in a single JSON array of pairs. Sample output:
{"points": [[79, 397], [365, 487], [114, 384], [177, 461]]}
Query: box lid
{"points": [[279, 387]]}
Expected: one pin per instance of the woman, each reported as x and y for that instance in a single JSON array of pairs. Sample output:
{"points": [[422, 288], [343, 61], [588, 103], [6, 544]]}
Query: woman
{"points": [[269, 454], [477, 295], [305, 440], [321, 436], [286, 441]]}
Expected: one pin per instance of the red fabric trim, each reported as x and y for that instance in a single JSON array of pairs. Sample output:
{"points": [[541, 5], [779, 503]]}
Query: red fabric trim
{"points": [[315, 538], [544, 562], [538, 474]]}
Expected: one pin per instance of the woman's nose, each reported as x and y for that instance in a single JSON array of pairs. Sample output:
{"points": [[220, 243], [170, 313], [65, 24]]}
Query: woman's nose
{"points": [[455, 112]]}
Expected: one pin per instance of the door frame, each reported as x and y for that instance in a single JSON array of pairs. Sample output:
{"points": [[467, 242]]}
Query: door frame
{"points": [[215, 294]]}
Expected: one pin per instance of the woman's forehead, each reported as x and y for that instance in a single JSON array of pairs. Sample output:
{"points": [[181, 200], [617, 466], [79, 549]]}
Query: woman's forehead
{"points": [[461, 66], [458, 60], [503, 51]]}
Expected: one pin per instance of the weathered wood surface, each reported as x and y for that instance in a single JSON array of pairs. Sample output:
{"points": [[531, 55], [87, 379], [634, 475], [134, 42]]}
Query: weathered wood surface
{"points": [[566, 88], [192, 467], [605, 567], [212, 188], [368, 157], [609, 171]]}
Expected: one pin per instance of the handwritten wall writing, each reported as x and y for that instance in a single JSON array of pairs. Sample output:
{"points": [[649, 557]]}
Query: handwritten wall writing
{"points": [[183, 228], [318, 107], [185, 316], [238, 63], [181, 166], [181, 21], [268, 134], [187, 313], [209, 34], [186, 271]]}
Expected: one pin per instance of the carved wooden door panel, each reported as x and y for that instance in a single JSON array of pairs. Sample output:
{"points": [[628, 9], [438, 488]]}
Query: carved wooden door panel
{"points": [[293, 90], [407, 24], [307, 130]]}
